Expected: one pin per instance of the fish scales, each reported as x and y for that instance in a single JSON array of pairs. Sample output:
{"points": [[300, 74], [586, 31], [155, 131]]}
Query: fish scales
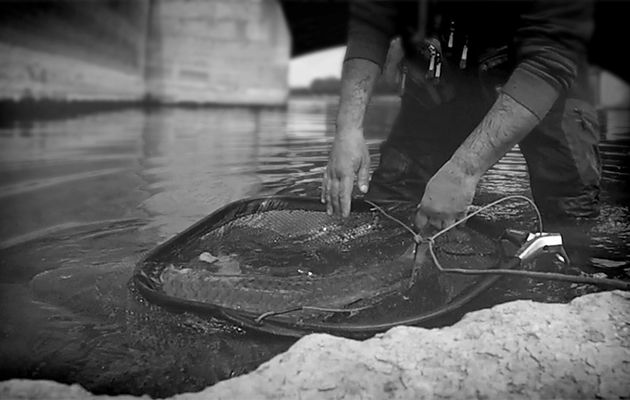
{"points": [[279, 232], [263, 293]]}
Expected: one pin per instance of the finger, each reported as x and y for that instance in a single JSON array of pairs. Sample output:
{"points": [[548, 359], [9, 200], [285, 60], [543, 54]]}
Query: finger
{"points": [[447, 223], [324, 188], [334, 196], [435, 222], [461, 216], [363, 180], [345, 196], [329, 202], [364, 174], [421, 220]]}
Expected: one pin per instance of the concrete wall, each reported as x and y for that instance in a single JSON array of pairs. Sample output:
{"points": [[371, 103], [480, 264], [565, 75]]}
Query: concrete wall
{"points": [[29, 74], [222, 51], [173, 51], [73, 50]]}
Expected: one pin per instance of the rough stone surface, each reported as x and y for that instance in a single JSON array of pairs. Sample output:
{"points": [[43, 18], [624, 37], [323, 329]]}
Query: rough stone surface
{"points": [[517, 350], [173, 51], [220, 51]]}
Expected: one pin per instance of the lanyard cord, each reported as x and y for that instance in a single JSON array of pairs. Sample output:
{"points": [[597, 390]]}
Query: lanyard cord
{"points": [[426, 244]]}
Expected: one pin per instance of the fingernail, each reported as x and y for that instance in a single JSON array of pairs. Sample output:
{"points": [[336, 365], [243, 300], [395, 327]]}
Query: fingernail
{"points": [[363, 188]]}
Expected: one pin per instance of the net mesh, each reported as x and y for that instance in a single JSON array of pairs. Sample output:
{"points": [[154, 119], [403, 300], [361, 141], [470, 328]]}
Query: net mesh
{"points": [[285, 258], [299, 241], [276, 258]]}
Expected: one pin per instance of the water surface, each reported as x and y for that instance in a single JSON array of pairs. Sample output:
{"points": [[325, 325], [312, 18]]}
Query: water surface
{"points": [[82, 199]]}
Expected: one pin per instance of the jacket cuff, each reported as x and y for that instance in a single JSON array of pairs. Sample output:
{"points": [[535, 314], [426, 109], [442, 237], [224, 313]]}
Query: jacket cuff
{"points": [[531, 91], [373, 49]]}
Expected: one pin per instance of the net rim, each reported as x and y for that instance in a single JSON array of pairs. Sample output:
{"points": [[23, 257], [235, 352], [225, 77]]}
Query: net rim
{"points": [[276, 325]]}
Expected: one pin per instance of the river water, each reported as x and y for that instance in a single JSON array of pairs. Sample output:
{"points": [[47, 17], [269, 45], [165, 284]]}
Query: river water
{"points": [[83, 198]]}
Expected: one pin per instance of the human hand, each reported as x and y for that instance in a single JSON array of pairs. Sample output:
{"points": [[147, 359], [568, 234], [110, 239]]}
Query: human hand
{"points": [[349, 156], [446, 197]]}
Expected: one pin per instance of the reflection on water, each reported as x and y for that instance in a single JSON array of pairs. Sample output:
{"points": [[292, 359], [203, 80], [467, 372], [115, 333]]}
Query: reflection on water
{"points": [[82, 199], [195, 161]]}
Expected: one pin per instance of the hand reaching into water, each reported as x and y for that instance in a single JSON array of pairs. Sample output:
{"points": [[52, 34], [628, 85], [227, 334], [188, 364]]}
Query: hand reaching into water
{"points": [[349, 157], [349, 154], [446, 198]]}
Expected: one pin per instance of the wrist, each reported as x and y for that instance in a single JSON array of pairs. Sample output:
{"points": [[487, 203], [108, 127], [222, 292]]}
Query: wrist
{"points": [[348, 131], [466, 166]]}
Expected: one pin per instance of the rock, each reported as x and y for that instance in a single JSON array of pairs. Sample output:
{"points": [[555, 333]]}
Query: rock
{"points": [[516, 350], [207, 257]]}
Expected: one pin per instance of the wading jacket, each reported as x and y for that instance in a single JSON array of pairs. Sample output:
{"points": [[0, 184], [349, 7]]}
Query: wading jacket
{"points": [[543, 42]]}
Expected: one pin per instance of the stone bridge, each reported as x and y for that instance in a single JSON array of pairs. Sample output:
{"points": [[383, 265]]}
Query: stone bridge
{"points": [[168, 51], [189, 51]]}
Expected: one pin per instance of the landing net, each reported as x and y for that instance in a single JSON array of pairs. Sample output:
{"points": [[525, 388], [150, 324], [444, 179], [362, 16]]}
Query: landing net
{"points": [[282, 264]]}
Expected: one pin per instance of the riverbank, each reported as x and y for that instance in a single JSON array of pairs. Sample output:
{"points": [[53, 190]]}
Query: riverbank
{"points": [[516, 350]]}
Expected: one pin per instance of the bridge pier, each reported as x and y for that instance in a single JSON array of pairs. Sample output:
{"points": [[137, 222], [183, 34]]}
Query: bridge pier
{"points": [[168, 51], [223, 51], [72, 50]]}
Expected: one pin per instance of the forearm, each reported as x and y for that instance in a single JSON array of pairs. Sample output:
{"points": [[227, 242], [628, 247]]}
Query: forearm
{"points": [[547, 67], [358, 78], [505, 124]]}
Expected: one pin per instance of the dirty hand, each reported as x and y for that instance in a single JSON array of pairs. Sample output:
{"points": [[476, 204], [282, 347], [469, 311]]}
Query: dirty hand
{"points": [[349, 156], [446, 197]]}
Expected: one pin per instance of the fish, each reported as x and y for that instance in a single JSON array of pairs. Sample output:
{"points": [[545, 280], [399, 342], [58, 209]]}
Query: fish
{"points": [[309, 228], [353, 282], [263, 293]]}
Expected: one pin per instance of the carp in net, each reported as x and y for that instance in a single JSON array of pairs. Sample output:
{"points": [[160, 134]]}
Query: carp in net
{"points": [[282, 265]]}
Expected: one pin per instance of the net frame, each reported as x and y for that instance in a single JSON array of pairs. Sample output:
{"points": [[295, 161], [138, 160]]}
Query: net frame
{"points": [[148, 269]]}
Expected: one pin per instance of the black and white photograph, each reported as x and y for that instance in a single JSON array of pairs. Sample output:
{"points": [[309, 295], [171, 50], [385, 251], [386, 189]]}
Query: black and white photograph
{"points": [[314, 199]]}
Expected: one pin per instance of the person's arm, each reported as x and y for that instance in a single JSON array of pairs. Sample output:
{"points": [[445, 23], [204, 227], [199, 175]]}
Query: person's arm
{"points": [[349, 154], [550, 41], [450, 191], [358, 78], [505, 124], [371, 26]]}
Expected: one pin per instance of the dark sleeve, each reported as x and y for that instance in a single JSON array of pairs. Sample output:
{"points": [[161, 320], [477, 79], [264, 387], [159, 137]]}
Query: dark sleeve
{"points": [[371, 27], [551, 41]]}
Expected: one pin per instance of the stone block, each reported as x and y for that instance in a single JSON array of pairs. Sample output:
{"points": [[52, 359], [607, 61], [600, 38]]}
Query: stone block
{"points": [[222, 53], [517, 350], [196, 51]]}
